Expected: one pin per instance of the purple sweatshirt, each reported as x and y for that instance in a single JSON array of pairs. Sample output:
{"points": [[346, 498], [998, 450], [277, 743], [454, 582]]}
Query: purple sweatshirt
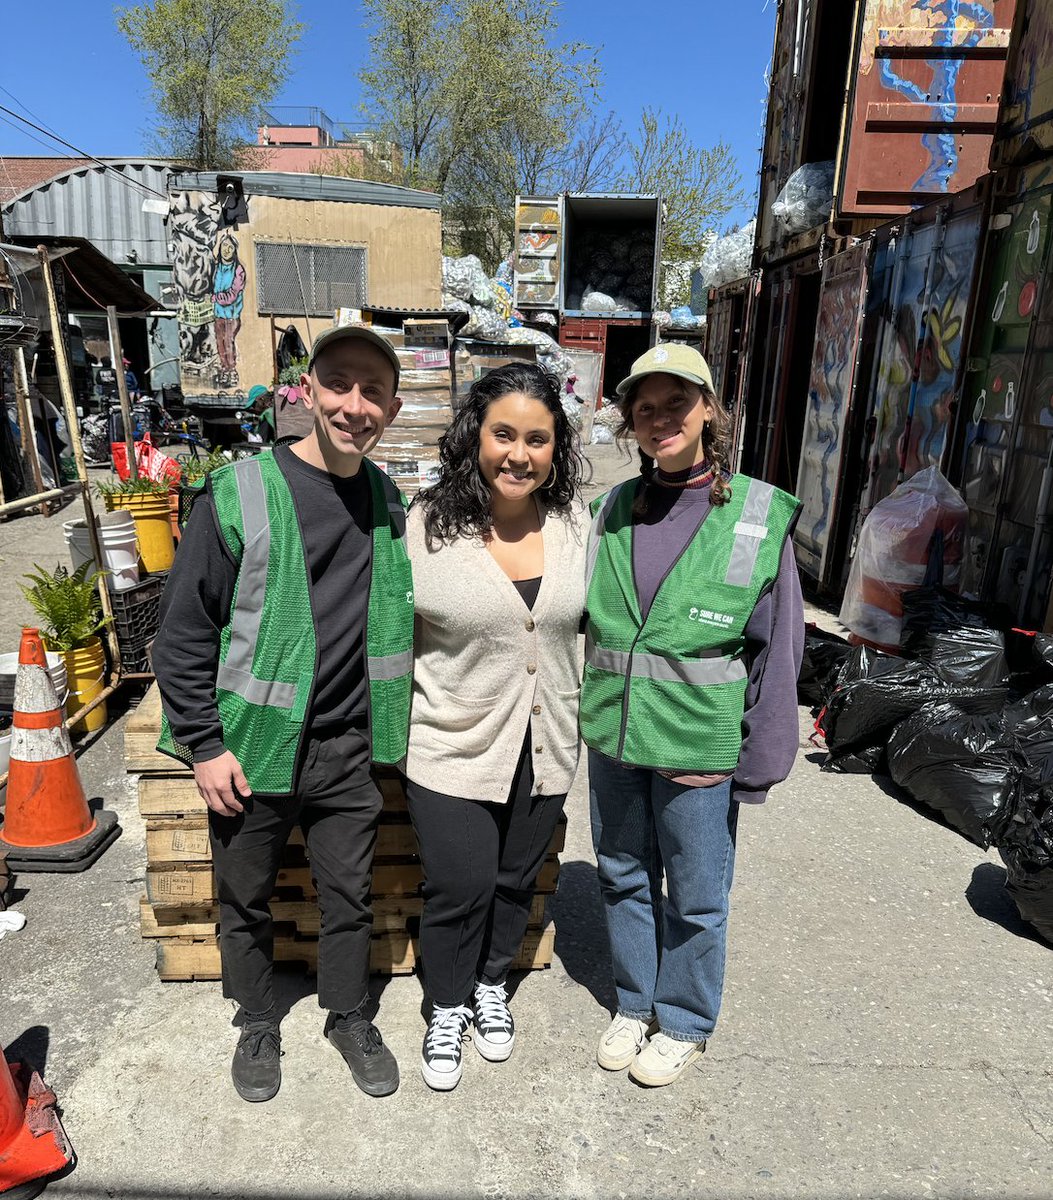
{"points": [[774, 639]]}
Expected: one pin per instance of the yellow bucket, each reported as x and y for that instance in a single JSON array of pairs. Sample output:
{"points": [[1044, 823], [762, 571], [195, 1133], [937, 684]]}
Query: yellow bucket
{"points": [[153, 527], [86, 670]]}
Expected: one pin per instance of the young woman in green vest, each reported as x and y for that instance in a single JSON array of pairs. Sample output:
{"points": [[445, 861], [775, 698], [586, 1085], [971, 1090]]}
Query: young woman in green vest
{"points": [[688, 704], [498, 554]]}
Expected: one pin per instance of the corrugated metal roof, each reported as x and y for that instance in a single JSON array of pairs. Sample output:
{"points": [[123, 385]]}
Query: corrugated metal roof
{"points": [[310, 187], [104, 206]]}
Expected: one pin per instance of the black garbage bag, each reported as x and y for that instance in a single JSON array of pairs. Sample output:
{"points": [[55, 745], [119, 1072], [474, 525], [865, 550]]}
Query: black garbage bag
{"points": [[868, 760], [824, 654], [963, 640], [864, 661], [864, 712], [958, 763], [1029, 724], [1031, 887]]}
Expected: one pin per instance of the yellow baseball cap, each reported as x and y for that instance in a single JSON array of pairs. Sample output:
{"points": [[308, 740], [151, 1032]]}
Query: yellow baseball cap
{"points": [[670, 358]]}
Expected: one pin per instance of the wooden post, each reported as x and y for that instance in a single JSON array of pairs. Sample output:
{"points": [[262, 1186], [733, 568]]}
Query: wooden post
{"points": [[73, 428], [117, 358], [25, 420]]}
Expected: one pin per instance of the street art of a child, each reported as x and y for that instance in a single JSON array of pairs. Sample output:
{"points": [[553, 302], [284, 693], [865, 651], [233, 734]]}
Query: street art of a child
{"points": [[228, 287]]}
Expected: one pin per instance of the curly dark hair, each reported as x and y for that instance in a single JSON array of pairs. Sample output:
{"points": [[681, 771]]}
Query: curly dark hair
{"points": [[458, 505]]}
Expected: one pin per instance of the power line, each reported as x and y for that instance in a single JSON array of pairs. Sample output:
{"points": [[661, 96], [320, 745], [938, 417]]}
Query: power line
{"points": [[83, 153]]}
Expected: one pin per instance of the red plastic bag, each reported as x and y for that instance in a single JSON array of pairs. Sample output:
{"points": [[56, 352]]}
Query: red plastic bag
{"points": [[150, 462]]}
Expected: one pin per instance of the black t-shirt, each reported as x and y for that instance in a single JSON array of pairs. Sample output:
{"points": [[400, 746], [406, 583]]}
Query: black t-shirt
{"points": [[335, 522]]}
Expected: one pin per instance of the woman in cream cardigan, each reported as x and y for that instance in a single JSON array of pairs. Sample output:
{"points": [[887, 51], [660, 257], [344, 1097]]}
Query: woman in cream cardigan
{"points": [[498, 554]]}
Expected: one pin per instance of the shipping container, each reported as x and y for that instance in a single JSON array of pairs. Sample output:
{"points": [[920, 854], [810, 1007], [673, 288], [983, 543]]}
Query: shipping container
{"points": [[618, 340], [808, 74], [611, 245], [1006, 452], [725, 323], [925, 85], [1025, 116], [920, 302], [781, 334], [537, 262], [822, 530]]}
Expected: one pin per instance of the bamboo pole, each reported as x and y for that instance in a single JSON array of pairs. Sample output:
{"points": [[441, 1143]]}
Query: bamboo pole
{"points": [[73, 428], [117, 357]]}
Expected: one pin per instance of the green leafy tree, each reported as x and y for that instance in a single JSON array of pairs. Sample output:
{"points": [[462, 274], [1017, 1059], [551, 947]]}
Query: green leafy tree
{"points": [[212, 64], [478, 93], [700, 187]]}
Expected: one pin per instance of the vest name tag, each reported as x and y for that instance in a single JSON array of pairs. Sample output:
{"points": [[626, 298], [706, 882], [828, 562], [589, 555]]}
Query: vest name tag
{"points": [[746, 529]]}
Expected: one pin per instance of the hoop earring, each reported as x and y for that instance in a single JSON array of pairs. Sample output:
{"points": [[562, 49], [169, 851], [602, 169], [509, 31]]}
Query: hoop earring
{"points": [[552, 479]]}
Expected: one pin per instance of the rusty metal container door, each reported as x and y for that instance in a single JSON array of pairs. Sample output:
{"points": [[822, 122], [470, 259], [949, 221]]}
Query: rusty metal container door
{"points": [[924, 102], [724, 318], [928, 276], [1008, 402], [831, 386], [1025, 116]]}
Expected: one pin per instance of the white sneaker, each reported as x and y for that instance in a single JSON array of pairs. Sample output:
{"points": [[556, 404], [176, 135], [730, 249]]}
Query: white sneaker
{"points": [[440, 1059], [495, 1032], [664, 1059], [624, 1039]]}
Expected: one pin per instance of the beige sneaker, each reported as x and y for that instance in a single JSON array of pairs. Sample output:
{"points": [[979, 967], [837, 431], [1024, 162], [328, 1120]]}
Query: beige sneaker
{"points": [[623, 1040], [663, 1059]]}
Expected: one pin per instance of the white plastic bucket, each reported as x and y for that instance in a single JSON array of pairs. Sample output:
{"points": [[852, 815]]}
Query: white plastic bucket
{"points": [[119, 551], [9, 670]]}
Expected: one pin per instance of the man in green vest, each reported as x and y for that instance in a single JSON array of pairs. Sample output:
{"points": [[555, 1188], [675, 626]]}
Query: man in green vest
{"points": [[284, 659]]}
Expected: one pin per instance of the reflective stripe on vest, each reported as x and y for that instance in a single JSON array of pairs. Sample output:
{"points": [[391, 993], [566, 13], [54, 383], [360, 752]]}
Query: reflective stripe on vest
{"points": [[390, 666], [715, 668], [235, 672], [750, 530]]}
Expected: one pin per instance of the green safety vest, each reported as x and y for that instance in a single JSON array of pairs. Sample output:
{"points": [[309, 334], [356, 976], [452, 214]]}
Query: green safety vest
{"points": [[669, 691], [268, 648]]}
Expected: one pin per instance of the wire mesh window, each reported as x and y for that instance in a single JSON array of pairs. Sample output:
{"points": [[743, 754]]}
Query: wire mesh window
{"points": [[292, 277]]}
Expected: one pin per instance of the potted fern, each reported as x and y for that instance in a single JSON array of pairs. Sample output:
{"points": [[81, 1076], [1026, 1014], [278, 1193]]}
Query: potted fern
{"points": [[71, 620]]}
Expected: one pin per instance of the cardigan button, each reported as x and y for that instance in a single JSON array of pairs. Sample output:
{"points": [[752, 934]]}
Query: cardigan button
{"points": [[531, 668], [529, 625], [536, 709]]}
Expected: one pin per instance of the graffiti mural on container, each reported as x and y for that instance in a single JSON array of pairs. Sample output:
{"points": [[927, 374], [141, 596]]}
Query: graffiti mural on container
{"points": [[829, 397], [210, 279], [1009, 402], [1027, 96], [921, 346], [943, 24]]}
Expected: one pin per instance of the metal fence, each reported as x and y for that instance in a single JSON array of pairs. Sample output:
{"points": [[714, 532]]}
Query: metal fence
{"points": [[294, 278]]}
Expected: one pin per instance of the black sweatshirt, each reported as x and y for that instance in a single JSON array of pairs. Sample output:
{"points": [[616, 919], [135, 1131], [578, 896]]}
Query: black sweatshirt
{"points": [[335, 524]]}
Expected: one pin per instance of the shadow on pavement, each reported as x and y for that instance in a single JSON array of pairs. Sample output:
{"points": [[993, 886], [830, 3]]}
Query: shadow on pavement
{"points": [[30, 1047], [989, 899], [581, 931]]}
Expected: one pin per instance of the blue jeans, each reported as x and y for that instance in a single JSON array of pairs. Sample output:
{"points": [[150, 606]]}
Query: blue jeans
{"points": [[667, 952]]}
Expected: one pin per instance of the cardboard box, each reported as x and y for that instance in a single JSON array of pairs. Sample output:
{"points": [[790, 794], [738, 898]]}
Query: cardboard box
{"points": [[426, 335]]}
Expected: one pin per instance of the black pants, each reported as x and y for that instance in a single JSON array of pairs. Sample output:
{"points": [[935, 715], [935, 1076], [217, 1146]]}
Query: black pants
{"points": [[337, 805], [481, 862]]}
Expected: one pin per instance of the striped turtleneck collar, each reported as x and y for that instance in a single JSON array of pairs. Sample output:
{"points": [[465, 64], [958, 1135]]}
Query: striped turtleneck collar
{"points": [[700, 475]]}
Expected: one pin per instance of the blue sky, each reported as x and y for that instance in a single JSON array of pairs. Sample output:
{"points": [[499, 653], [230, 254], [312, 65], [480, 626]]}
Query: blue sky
{"points": [[703, 60]]}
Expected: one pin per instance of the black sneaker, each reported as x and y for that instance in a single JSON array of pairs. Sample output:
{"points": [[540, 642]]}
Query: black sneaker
{"points": [[257, 1069], [495, 1031], [373, 1066], [440, 1057]]}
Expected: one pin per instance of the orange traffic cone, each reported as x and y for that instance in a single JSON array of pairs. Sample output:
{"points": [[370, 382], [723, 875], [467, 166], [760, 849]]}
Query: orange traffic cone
{"points": [[48, 825], [33, 1144]]}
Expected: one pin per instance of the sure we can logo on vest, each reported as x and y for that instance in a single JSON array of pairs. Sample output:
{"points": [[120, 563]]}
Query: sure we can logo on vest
{"points": [[706, 616]]}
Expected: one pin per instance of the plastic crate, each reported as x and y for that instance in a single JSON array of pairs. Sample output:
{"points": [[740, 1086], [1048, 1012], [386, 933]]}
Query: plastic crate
{"points": [[136, 617]]}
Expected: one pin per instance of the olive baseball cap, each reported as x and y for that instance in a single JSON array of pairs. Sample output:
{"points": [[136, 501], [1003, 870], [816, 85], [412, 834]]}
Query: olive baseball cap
{"points": [[670, 358], [362, 333]]}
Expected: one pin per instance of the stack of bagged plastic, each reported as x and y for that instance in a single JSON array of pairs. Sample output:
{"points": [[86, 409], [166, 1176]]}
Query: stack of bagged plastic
{"points": [[806, 199], [492, 318], [961, 719], [729, 257]]}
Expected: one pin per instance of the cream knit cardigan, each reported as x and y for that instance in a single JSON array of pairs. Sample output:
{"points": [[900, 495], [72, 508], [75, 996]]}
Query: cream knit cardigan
{"points": [[485, 665]]}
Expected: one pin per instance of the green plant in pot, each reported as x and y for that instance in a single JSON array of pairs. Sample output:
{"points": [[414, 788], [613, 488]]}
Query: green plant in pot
{"points": [[70, 612], [148, 502]]}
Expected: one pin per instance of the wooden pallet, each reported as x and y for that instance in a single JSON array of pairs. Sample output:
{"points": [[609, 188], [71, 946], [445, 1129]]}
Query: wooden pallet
{"points": [[180, 910], [193, 959]]}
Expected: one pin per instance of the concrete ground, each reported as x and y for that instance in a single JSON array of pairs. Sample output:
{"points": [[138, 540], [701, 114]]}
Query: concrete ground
{"points": [[887, 1029]]}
